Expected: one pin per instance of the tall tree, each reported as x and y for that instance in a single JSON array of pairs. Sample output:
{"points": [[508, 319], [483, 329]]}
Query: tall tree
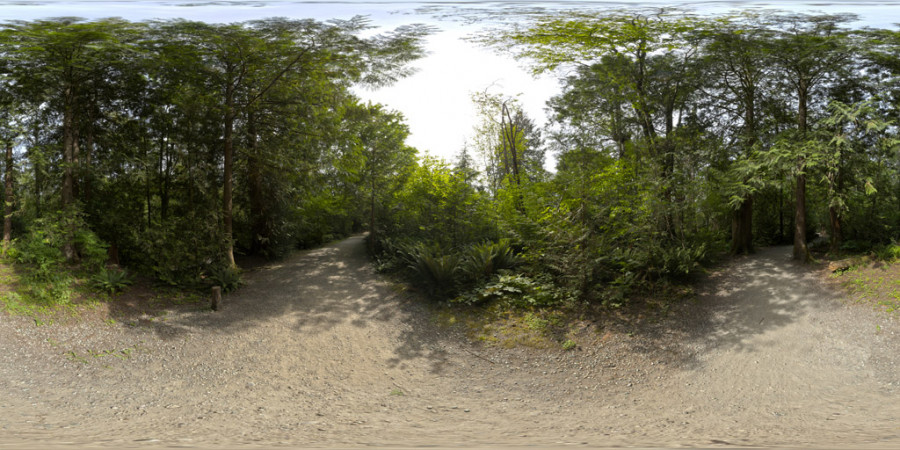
{"points": [[809, 50]]}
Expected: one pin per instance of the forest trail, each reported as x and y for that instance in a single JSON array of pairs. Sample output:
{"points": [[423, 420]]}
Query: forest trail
{"points": [[320, 351]]}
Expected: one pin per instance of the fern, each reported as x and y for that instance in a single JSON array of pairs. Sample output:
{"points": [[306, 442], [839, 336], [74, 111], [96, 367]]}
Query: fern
{"points": [[111, 280]]}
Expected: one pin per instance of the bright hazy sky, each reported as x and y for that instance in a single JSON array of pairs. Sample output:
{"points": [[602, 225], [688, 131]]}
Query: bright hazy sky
{"points": [[436, 101]]}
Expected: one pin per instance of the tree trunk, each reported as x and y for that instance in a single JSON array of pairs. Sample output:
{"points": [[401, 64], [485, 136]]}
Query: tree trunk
{"points": [[742, 228], [801, 252], [88, 155], [258, 218], [227, 184], [837, 235], [10, 197], [167, 179], [68, 185]]}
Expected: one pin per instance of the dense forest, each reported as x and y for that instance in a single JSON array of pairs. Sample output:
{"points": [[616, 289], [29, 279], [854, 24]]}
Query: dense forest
{"points": [[169, 147]]}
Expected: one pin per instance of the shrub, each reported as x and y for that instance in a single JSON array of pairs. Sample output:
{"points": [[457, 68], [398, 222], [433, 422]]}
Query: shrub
{"points": [[111, 280], [890, 252], [517, 290], [483, 260], [179, 251], [681, 260], [229, 278], [434, 268]]}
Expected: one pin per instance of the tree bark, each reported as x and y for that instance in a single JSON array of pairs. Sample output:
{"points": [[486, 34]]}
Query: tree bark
{"points": [[801, 252], [88, 155], [258, 214], [68, 185], [837, 234], [227, 184], [742, 228], [10, 197]]}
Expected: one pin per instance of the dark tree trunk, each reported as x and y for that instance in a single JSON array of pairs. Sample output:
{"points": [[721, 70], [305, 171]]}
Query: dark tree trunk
{"points": [[88, 161], [258, 213], [167, 177], [837, 234], [801, 252], [742, 228], [10, 197], [227, 184], [68, 185]]}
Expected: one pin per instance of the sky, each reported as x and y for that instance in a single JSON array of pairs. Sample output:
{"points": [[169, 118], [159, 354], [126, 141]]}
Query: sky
{"points": [[436, 101]]}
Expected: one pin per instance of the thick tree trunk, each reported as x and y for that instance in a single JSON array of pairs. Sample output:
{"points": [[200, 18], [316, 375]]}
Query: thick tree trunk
{"points": [[837, 234], [258, 214], [68, 185], [10, 197], [88, 155], [227, 184], [801, 252], [742, 228]]}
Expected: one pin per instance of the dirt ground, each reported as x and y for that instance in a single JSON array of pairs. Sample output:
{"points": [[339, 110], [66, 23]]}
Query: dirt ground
{"points": [[320, 351]]}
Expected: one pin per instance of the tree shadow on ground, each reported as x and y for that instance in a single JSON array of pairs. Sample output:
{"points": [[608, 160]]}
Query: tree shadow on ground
{"points": [[313, 292], [737, 304]]}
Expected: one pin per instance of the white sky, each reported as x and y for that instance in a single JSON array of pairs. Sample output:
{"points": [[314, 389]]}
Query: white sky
{"points": [[437, 100]]}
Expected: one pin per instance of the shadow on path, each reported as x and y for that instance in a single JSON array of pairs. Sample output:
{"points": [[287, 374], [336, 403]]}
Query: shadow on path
{"points": [[313, 292]]}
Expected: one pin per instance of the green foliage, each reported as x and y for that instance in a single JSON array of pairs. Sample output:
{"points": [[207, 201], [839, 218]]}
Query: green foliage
{"points": [[229, 278], [889, 252], [437, 204], [40, 250], [111, 280], [176, 257], [46, 277], [516, 290], [437, 270], [483, 260], [680, 260]]}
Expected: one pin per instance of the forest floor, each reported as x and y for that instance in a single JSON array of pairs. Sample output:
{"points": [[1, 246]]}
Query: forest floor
{"points": [[319, 350]]}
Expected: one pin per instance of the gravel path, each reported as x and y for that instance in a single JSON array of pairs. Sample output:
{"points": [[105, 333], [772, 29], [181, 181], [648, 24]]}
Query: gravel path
{"points": [[319, 351]]}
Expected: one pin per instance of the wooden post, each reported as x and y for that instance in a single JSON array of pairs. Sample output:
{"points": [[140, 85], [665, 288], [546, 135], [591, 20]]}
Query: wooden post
{"points": [[216, 302]]}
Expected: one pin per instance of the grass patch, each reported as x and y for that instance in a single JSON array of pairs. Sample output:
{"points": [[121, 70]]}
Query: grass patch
{"points": [[565, 326], [872, 282]]}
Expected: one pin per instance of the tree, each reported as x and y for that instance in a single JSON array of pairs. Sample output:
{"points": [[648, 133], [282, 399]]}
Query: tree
{"points": [[55, 61], [386, 159], [245, 62], [808, 50], [740, 68]]}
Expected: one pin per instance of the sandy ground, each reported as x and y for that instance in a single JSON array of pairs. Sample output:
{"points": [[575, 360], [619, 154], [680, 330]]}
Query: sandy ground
{"points": [[320, 351]]}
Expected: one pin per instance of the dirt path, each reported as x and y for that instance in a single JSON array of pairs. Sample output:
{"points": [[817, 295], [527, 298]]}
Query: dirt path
{"points": [[319, 351]]}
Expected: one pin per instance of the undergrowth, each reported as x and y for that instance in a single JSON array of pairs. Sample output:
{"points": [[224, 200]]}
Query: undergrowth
{"points": [[873, 278]]}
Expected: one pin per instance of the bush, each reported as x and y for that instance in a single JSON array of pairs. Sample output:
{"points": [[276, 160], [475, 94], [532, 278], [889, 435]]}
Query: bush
{"points": [[517, 290], [229, 278], [483, 260], [436, 270], [676, 261], [890, 252], [111, 280], [179, 251]]}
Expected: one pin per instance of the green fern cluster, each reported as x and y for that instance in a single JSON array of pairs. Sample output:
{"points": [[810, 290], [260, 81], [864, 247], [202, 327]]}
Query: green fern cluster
{"points": [[445, 272], [111, 280], [229, 278]]}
